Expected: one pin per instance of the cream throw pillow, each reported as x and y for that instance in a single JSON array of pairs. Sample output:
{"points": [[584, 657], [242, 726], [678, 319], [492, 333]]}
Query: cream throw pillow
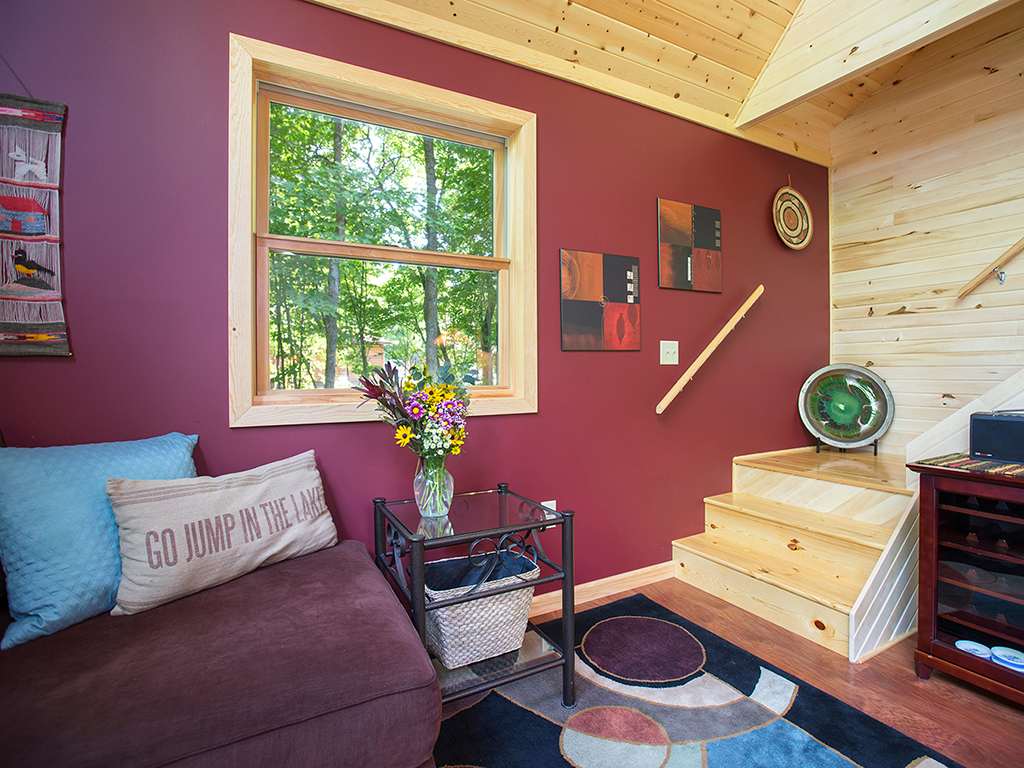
{"points": [[183, 536]]}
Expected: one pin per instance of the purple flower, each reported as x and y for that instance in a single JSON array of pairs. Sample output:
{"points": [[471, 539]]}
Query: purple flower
{"points": [[416, 406], [452, 414]]}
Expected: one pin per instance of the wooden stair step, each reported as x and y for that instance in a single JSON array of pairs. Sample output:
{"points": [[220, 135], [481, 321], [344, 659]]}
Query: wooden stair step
{"points": [[697, 563], [801, 519], [862, 505], [800, 572], [885, 472]]}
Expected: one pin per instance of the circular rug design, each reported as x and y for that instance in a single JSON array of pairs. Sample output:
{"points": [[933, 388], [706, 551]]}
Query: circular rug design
{"points": [[640, 649], [609, 737], [792, 217], [846, 406]]}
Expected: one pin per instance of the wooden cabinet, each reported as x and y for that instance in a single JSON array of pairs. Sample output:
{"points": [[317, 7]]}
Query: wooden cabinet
{"points": [[971, 575]]}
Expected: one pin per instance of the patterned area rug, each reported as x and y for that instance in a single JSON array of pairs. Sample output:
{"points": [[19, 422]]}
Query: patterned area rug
{"points": [[657, 691]]}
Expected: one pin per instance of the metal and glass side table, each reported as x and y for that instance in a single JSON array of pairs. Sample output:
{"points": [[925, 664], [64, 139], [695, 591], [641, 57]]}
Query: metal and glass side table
{"points": [[478, 524]]}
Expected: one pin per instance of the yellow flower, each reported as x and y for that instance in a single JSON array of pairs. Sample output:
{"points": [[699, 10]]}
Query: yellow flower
{"points": [[403, 435], [456, 450]]}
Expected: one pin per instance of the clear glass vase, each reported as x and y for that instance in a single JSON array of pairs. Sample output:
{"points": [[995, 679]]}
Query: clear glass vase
{"points": [[433, 487]]}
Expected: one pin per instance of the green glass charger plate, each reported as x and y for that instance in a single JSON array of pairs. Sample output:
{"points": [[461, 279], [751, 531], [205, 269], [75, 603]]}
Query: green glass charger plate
{"points": [[846, 406]]}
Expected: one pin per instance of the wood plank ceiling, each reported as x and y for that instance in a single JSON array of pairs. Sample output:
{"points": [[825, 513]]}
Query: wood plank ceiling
{"points": [[696, 59], [826, 46]]}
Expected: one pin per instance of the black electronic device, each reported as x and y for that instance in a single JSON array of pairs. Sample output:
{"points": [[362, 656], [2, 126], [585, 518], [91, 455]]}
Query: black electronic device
{"points": [[998, 436]]}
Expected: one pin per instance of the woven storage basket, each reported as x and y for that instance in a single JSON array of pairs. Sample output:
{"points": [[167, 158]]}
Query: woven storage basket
{"points": [[480, 629]]}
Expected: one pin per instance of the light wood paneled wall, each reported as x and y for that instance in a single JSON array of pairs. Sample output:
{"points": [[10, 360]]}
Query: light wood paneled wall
{"points": [[928, 187]]}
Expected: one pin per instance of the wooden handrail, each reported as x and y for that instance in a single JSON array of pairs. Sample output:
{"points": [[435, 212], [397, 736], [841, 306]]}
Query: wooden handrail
{"points": [[984, 275], [709, 349]]}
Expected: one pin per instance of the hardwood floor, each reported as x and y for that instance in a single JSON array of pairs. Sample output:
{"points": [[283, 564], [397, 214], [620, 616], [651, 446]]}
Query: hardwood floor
{"points": [[968, 725]]}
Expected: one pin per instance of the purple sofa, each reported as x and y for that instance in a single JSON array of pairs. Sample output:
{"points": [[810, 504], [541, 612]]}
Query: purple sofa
{"points": [[310, 662]]}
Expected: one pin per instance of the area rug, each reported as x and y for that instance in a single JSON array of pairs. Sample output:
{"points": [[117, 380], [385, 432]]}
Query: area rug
{"points": [[654, 690]]}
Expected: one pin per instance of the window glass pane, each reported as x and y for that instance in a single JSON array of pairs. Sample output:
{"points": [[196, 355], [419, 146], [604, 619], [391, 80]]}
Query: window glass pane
{"points": [[333, 320], [340, 179]]}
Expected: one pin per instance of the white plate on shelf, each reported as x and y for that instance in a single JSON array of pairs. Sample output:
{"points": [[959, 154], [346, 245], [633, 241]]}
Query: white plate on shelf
{"points": [[1018, 670], [1008, 657], [973, 648]]}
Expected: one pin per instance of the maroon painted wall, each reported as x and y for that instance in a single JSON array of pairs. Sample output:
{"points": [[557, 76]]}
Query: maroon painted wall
{"points": [[146, 274]]}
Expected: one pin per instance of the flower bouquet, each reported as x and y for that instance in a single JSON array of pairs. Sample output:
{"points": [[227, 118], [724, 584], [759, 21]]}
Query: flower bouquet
{"points": [[429, 417]]}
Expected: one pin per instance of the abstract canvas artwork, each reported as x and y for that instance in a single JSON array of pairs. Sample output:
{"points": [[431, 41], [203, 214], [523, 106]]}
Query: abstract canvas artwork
{"points": [[31, 290], [600, 301], [689, 247]]}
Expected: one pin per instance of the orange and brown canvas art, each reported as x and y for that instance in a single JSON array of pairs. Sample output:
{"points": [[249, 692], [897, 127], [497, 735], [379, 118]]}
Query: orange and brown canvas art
{"points": [[600, 299], [689, 247]]}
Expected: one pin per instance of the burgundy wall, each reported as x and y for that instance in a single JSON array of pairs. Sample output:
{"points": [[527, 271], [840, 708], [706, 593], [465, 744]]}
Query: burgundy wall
{"points": [[146, 274]]}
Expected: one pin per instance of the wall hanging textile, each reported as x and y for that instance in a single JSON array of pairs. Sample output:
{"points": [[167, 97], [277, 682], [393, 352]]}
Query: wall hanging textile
{"points": [[31, 285], [792, 217]]}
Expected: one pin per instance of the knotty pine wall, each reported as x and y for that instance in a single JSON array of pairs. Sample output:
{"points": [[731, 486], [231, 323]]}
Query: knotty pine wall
{"points": [[928, 187]]}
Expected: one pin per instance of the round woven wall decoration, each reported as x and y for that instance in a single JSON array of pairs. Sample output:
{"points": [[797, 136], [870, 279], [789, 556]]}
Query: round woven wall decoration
{"points": [[846, 406], [792, 216]]}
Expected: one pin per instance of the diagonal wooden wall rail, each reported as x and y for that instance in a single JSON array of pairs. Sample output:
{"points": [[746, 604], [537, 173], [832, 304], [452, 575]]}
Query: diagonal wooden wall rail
{"points": [[992, 268], [709, 349]]}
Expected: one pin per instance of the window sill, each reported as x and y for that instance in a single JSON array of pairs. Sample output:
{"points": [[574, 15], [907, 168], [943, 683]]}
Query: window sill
{"points": [[278, 409]]}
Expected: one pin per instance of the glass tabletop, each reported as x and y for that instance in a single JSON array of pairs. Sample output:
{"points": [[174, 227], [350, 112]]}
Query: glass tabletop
{"points": [[473, 513]]}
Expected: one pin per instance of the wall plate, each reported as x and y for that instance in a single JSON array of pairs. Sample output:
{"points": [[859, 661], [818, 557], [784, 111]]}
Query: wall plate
{"points": [[669, 352]]}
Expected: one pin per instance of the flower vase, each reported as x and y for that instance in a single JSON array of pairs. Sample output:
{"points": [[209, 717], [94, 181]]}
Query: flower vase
{"points": [[433, 487]]}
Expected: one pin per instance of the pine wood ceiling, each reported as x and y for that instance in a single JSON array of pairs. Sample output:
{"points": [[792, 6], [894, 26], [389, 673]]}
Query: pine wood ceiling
{"points": [[696, 59]]}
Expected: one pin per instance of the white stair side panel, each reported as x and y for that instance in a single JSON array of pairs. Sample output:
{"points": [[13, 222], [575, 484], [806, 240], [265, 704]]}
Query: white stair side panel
{"points": [[871, 624], [885, 614]]}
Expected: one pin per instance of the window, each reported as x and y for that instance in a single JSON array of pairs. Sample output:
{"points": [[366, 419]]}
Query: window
{"points": [[387, 221]]}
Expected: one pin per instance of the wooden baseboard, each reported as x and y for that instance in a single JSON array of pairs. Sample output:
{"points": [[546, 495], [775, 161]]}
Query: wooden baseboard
{"points": [[610, 585]]}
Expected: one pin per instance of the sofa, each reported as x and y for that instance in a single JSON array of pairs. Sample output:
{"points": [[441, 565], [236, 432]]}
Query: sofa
{"points": [[309, 662]]}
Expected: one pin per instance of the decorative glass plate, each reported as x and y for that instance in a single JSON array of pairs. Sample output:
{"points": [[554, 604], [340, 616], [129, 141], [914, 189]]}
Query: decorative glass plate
{"points": [[1008, 657], [969, 646], [845, 406]]}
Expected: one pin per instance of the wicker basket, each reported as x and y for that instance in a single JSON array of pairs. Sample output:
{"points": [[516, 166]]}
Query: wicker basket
{"points": [[480, 629]]}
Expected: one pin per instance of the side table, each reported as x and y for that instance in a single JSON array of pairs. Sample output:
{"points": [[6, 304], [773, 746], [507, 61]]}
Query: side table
{"points": [[482, 521]]}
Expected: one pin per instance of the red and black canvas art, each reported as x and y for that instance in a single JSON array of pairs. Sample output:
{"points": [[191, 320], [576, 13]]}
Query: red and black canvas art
{"points": [[600, 301], [31, 290], [689, 247]]}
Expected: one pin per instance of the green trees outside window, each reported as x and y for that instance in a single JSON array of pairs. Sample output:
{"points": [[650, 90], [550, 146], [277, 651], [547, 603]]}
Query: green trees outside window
{"points": [[332, 318]]}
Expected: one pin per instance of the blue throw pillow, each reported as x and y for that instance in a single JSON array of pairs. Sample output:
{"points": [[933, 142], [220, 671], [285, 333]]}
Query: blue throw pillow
{"points": [[58, 537]]}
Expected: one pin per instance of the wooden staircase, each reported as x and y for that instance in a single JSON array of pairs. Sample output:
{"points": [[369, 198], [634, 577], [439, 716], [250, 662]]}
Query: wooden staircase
{"points": [[817, 543]]}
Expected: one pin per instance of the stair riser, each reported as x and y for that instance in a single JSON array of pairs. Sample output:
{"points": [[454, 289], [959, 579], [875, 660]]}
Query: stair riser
{"points": [[803, 549], [823, 625], [861, 504]]}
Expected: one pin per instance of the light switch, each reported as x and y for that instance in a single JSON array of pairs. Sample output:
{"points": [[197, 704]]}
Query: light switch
{"points": [[669, 352]]}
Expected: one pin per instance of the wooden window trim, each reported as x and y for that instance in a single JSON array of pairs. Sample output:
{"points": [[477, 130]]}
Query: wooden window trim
{"points": [[252, 61]]}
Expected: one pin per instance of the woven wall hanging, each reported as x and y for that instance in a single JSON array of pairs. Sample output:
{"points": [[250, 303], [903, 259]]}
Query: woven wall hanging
{"points": [[792, 217], [31, 279]]}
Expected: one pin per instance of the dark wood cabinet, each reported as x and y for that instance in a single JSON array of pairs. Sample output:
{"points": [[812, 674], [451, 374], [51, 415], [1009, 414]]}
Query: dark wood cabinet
{"points": [[971, 575]]}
